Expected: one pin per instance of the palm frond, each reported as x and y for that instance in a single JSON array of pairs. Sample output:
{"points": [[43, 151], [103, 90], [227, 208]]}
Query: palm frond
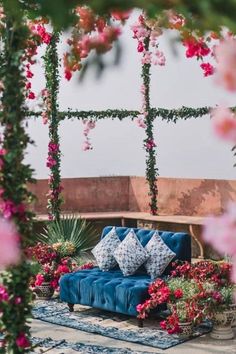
{"points": [[70, 229]]}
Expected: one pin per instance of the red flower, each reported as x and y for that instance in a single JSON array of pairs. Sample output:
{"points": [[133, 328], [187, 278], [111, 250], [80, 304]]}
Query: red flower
{"points": [[31, 96], [68, 75], [178, 293], [22, 341]]}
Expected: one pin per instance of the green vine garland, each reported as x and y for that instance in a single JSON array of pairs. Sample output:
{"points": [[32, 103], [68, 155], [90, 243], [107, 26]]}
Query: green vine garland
{"points": [[54, 154], [14, 177]]}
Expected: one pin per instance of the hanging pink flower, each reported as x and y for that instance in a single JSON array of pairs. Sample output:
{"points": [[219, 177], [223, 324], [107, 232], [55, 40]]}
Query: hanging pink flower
{"points": [[207, 68], [87, 146], [22, 341], [225, 54], [29, 74], [31, 95], [9, 241], [224, 123], [159, 58]]}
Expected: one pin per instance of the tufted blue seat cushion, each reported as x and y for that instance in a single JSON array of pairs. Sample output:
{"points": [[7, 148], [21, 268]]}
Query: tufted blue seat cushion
{"points": [[111, 290], [105, 290]]}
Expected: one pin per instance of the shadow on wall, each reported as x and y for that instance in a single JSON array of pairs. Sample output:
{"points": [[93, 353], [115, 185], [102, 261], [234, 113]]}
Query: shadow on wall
{"points": [[197, 197], [209, 195]]}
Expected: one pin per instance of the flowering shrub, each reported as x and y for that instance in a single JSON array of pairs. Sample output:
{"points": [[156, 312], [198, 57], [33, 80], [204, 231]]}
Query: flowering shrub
{"points": [[53, 262], [192, 293]]}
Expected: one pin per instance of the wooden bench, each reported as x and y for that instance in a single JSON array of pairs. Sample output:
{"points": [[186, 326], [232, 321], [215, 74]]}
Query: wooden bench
{"points": [[145, 220]]}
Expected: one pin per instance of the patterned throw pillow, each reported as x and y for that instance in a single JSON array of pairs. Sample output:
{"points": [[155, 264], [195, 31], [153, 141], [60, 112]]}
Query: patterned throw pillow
{"points": [[160, 255], [130, 254], [104, 250]]}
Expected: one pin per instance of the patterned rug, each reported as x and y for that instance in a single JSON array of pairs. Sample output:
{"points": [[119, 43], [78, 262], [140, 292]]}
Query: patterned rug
{"points": [[49, 344], [109, 324]]}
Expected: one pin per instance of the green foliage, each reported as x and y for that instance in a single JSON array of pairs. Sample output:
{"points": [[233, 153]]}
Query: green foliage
{"points": [[71, 230], [51, 61], [15, 175]]}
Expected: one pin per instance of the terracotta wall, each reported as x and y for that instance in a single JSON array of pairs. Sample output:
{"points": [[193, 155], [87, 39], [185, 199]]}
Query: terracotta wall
{"points": [[176, 196], [87, 194]]}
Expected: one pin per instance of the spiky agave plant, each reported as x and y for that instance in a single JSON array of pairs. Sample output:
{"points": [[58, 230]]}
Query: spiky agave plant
{"points": [[70, 236]]}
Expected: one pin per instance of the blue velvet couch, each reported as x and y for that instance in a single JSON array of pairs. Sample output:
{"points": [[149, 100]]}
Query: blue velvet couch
{"points": [[111, 290]]}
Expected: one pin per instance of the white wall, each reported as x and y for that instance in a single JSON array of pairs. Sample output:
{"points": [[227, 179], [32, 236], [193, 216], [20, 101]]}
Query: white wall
{"points": [[187, 149]]}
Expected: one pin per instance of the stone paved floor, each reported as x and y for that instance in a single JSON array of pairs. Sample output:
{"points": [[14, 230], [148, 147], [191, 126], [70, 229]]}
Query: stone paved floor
{"points": [[200, 345]]}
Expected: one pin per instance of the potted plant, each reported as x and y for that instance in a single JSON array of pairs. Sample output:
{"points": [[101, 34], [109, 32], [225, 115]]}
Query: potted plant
{"points": [[194, 292], [69, 236], [179, 295], [51, 265]]}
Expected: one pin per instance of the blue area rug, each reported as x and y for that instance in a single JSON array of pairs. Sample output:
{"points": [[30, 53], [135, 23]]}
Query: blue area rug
{"points": [[51, 344], [109, 324]]}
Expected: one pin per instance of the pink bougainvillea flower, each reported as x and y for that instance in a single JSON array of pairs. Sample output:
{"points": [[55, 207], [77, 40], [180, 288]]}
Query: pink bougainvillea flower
{"points": [[224, 123], [87, 146], [220, 231], [141, 123], [207, 68], [9, 241], [68, 75], [150, 144], [39, 279], [22, 341], [29, 74], [31, 95], [3, 294], [225, 54]]}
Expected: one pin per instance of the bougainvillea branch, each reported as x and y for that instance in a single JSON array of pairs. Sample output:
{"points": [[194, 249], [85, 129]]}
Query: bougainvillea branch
{"points": [[54, 154], [15, 305]]}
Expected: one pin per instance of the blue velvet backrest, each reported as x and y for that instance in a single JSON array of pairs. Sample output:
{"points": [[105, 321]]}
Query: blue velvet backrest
{"points": [[178, 242]]}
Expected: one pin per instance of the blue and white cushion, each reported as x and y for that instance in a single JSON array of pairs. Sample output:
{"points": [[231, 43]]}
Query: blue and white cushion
{"points": [[104, 250], [160, 255], [130, 254]]}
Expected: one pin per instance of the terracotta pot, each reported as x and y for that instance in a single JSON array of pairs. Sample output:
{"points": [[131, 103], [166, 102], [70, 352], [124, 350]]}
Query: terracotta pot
{"points": [[44, 291], [222, 324], [186, 329]]}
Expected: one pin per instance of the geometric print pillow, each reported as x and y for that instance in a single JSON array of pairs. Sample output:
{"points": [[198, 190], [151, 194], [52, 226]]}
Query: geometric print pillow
{"points": [[130, 254], [104, 250], [160, 255]]}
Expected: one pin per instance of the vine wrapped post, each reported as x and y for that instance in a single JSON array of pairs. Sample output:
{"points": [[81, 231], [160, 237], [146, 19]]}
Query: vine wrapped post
{"points": [[54, 154], [149, 144], [14, 177]]}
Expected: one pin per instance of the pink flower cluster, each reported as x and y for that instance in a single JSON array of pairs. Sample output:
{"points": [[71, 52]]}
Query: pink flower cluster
{"points": [[225, 54], [224, 123], [53, 150], [38, 36], [9, 209], [88, 125], [150, 144], [198, 48], [22, 341], [41, 31], [92, 32], [141, 31], [10, 247], [220, 232]]}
